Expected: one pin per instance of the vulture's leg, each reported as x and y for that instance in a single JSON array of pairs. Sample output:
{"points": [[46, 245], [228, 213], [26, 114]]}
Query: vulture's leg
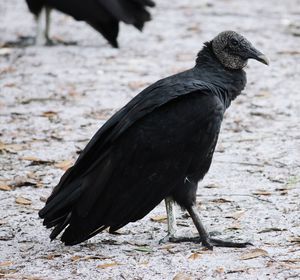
{"points": [[171, 220], [42, 27], [47, 28], [206, 240]]}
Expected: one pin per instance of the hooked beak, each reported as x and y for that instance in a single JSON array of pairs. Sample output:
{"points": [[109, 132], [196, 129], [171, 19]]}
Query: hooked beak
{"points": [[257, 55]]}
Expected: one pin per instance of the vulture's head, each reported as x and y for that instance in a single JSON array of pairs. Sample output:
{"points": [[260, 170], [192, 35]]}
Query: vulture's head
{"points": [[233, 50]]}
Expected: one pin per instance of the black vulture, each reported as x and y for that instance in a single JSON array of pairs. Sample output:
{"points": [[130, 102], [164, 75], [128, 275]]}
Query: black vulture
{"points": [[102, 15], [158, 146]]}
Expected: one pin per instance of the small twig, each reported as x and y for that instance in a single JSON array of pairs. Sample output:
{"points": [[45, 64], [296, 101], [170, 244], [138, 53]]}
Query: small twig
{"points": [[250, 195], [242, 163], [249, 139], [281, 164]]}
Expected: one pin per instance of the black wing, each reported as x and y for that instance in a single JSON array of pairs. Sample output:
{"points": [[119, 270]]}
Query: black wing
{"points": [[144, 103], [133, 161]]}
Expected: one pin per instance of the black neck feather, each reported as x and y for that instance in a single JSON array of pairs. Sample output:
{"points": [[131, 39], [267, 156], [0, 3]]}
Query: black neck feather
{"points": [[210, 69]]}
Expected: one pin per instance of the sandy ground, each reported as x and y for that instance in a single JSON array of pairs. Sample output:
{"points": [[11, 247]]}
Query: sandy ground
{"points": [[53, 99]]}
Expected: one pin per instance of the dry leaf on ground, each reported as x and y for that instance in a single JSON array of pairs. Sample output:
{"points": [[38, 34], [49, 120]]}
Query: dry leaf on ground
{"points": [[143, 249], [36, 161], [167, 247], [6, 51], [64, 165], [86, 258], [255, 253], [182, 276], [6, 263], [220, 269], [25, 182], [135, 85], [106, 265], [263, 93], [76, 258], [211, 186], [221, 200], [261, 192], [295, 239], [236, 215], [5, 188], [23, 201], [234, 226], [289, 52], [52, 256], [10, 148], [195, 256], [271, 229], [49, 114], [159, 218]]}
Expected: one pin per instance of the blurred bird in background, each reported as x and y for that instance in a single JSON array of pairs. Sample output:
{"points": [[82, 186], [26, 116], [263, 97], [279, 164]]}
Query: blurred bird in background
{"points": [[159, 146], [103, 15]]}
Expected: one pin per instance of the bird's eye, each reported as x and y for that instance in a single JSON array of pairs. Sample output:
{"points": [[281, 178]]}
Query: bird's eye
{"points": [[234, 42]]}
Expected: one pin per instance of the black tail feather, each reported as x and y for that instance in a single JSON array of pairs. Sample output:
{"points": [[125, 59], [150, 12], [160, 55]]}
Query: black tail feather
{"points": [[57, 212], [71, 237], [61, 201], [59, 228], [109, 30], [52, 223]]}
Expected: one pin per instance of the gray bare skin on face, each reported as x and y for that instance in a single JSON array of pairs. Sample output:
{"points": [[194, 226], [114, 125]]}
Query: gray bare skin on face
{"points": [[233, 50]]}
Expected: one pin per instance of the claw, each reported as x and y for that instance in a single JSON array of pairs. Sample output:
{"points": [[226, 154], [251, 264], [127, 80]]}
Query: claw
{"points": [[208, 245]]}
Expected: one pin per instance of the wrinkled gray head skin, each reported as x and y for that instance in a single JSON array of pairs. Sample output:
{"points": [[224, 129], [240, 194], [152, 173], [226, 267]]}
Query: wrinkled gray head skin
{"points": [[233, 50]]}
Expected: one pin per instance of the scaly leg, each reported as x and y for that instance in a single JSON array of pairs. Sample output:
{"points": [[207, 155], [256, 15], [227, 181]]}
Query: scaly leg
{"points": [[43, 26], [171, 220], [47, 28], [40, 28]]}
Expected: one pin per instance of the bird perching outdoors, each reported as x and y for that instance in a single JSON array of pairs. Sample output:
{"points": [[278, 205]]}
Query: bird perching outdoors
{"points": [[102, 15], [158, 146]]}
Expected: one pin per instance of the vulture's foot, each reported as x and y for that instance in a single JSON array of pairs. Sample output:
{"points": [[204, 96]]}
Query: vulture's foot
{"points": [[209, 242], [168, 238], [49, 42], [195, 239], [204, 236]]}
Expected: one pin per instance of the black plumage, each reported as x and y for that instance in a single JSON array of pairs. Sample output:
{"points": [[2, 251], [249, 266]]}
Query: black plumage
{"points": [[102, 15], [159, 145]]}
